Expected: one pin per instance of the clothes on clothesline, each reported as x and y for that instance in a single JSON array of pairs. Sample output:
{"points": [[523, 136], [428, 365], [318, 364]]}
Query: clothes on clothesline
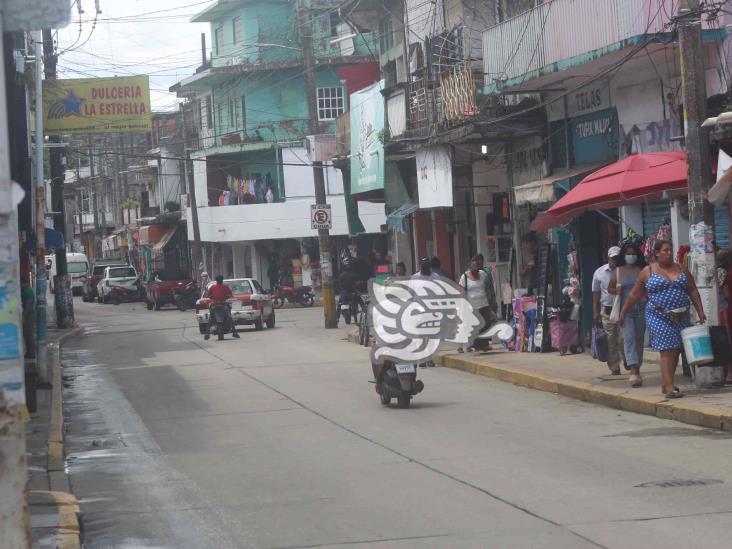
{"points": [[252, 189]]}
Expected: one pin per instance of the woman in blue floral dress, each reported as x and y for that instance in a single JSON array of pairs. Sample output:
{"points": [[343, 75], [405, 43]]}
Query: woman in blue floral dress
{"points": [[669, 287]]}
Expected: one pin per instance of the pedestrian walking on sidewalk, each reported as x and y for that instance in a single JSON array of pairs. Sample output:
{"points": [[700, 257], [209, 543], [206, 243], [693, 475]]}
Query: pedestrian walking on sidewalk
{"points": [[425, 270], [670, 287], [602, 303], [633, 330], [480, 291]]}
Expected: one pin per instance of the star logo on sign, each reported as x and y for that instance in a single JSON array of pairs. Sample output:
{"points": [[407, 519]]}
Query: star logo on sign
{"points": [[72, 104]]}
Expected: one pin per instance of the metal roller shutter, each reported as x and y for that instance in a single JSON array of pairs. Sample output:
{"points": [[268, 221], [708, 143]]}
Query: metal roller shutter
{"points": [[721, 226]]}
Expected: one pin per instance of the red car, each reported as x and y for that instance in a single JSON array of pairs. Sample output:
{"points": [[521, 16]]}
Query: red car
{"points": [[161, 289], [250, 305]]}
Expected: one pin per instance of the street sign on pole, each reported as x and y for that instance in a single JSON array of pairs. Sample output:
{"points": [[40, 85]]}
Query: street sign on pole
{"points": [[320, 217]]}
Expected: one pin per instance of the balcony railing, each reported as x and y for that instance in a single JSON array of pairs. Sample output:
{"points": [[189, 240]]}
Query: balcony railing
{"points": [[563, 29]]}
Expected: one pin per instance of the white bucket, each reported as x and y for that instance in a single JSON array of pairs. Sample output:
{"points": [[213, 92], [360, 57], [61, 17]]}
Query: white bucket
{"points": [[697, 345]]}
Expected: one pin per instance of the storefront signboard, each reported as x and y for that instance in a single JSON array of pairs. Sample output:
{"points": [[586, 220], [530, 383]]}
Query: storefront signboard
{"points": [[434, 177], [592, 98], [595, 137], [367, 149], [97, 105]]}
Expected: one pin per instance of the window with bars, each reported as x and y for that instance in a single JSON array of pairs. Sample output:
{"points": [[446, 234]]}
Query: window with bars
{"points": [[85, 201], [236, 23], [243, 113], [218, 39], [209, 112], [219, 115], [233, 113], [330, 103], [386, 33]]}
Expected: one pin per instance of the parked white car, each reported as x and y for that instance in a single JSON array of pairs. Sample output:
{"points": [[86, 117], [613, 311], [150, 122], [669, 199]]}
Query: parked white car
{"points": [[124, 276]]}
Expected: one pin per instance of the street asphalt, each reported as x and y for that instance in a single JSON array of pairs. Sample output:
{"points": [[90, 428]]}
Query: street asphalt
{"points": [[278, 440]]}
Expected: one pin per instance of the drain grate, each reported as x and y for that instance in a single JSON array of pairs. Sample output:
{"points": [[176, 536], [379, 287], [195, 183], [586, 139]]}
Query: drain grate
{"points": [[679, 483]]}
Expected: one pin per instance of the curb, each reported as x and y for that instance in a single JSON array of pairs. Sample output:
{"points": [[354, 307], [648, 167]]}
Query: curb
{"points": [[55, 432], [68, 533], [620, 399], [67, 529]]}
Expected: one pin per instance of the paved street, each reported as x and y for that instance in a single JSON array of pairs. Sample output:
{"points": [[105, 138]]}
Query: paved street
{"points": [[278, 441]]}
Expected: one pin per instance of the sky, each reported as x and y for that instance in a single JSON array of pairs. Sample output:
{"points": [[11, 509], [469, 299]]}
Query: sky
{"points": [[133, 37]]}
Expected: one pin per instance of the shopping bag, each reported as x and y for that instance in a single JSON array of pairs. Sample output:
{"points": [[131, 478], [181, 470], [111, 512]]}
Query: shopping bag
{"points": [[599, 344]]}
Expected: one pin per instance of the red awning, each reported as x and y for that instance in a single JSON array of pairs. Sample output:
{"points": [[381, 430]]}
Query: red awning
{"points": [[627, 181]]}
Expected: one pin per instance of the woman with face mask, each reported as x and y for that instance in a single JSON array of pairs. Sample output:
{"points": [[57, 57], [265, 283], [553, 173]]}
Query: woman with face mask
{"points": [[622, 282], [671, 289]]}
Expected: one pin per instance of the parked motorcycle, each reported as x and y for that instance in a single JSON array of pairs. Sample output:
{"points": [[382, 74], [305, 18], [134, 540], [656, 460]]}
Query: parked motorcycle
{"points": [[350, 305], [185, 297], [219, 317], [302, 295], [121, 294], [396, 381]]}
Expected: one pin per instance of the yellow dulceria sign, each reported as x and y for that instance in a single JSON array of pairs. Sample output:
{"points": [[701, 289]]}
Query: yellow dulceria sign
{"points": [[97, 105]]}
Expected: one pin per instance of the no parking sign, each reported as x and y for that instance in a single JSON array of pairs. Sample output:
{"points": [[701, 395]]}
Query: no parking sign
{"points": [[320, 217]]}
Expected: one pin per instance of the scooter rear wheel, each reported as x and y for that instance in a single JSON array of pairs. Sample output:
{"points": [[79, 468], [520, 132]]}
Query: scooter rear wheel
{"points": [[220, 330], [403, 401]]}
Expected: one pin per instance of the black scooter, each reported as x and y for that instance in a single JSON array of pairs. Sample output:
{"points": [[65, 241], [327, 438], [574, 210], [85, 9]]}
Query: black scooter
{"points": [[396, 381], [219, 318]]}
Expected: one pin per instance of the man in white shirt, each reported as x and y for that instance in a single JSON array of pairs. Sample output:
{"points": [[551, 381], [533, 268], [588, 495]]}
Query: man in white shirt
{"points": [[602, 302]]}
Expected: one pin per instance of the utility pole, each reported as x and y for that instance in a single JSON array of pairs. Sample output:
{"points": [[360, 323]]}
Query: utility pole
{"points": [[701, 213], [304, 25], [14, 519], [190, 185], [62, 282], [93, 197], [40, 198]]}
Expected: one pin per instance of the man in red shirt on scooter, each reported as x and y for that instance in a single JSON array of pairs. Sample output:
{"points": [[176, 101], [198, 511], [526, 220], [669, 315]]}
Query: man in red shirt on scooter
{"points": [[219, 293]]}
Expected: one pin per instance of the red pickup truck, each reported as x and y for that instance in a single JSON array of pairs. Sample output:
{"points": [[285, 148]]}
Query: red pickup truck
{"points": [[161, 289]]}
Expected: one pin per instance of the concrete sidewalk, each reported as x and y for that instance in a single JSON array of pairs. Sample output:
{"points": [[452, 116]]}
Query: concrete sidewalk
{"points": [[581, 377], [54, 512]]}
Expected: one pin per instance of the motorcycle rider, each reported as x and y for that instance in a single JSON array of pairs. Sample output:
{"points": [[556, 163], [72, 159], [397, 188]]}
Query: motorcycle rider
{"points": [[218, 293]]}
